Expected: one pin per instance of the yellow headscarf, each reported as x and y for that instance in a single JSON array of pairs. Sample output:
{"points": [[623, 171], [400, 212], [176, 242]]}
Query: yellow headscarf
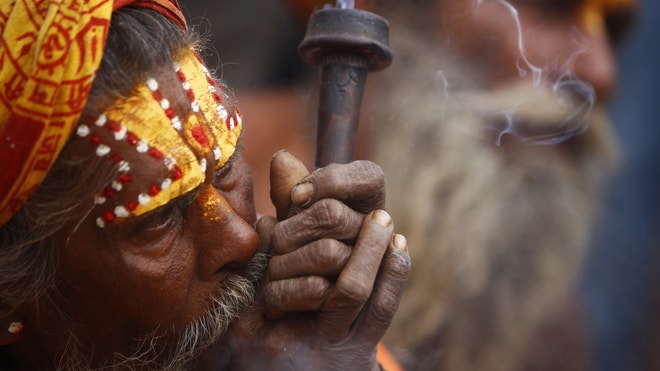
{"points": [[49, 53], [188, 149]]}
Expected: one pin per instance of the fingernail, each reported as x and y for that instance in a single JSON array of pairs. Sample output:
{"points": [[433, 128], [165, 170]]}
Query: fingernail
{"points": [[383, 218], [400, 243], [302, 193], [283, 152]]}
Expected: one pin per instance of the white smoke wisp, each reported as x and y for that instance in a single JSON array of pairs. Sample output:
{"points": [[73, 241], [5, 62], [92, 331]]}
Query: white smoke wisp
{"points": [[555, 84], [342, 4], [345, 4]]}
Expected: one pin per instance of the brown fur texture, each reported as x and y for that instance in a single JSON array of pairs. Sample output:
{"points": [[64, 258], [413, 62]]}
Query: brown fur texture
{"points": [[497, 229]]}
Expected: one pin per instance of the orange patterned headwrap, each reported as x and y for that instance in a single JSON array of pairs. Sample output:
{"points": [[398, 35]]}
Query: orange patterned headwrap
{"points": [[169, 8], [49, 53]]}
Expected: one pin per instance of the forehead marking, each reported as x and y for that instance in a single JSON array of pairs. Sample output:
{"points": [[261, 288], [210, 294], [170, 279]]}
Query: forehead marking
{"points": [[206, 138], [197, 132], [121, 133]]}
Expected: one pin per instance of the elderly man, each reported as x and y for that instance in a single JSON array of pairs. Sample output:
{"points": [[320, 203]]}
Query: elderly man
{"points": [[492, 130], [127, 225]]}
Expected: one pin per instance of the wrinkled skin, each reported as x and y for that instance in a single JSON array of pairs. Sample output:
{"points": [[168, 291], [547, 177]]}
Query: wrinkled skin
{"points": [[330, 292], [326, 299]]}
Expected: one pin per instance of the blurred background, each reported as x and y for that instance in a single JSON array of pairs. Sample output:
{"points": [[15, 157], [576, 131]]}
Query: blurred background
{"points": [[254, 49], [623, 272], [253, 42]]}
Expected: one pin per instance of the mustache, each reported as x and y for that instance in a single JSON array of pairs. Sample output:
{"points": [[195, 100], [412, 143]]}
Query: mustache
{"points": [[153, 353], [233, 298]]}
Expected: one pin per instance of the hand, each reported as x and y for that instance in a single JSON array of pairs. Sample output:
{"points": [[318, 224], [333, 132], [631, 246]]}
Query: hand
{"points": [[337, 274], [361, 185]]}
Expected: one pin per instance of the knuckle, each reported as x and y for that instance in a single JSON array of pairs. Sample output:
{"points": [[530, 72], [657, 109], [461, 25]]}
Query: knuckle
{"points": [[384, 309], [331, 214], [273, 293], [371, 170], [328, 209], [275, 267], [370, 174], [279, 237], [317, 286], [331, 250], [353, 291], [357, 172], [400, 265]]}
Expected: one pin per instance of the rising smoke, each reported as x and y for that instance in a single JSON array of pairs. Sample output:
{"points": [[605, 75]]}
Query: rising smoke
{"points": [[566, 101]]}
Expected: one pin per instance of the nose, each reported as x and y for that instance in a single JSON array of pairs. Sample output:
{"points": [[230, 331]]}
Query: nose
{"points": [[597, 65], [226, 240]]}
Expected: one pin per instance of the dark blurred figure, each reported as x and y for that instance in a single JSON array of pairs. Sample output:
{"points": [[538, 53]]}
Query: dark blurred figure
{"points": [[621, 282], [522, 285], [492, 128]]}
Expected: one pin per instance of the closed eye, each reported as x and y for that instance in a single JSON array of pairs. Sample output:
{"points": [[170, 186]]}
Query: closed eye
{"points": [[222, 177], [158, 222]]}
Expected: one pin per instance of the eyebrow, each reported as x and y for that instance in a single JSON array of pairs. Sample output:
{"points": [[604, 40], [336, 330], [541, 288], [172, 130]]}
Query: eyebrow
{"points": [[181, 203], [186, 199], [232, 158], [238, 148]]}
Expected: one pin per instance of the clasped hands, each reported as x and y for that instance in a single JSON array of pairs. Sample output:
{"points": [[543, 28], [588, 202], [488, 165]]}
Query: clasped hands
{"points": [[336, 274]]}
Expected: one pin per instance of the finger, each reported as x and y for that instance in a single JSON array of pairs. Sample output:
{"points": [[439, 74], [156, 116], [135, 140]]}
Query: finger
{"points": [[324, 219], [360, 184], [387, 291], [264, 227], [285, 172], [295, 295], [325, 257], [355, 283]]}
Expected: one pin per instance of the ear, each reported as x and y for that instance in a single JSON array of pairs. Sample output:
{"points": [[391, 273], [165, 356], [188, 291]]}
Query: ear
{"points": [[11, 325]]}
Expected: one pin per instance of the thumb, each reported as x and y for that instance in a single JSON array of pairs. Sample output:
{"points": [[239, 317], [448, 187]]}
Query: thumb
{"points": [[264, 228], [285, 172]]}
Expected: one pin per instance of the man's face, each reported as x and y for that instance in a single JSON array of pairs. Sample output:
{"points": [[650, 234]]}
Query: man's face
{"points": [[145, 281], [541, 68], [538, 39]]}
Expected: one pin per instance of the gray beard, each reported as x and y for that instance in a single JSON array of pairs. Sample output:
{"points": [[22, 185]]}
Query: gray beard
{"points": [[497, 229], [151, 353]]}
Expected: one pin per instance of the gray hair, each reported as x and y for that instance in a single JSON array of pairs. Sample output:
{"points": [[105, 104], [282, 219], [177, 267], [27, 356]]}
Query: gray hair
{"points": [[140, 41]]}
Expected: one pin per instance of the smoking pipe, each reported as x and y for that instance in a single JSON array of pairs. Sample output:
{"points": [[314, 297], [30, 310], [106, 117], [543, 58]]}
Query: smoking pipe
{"points": [[345, 44]]}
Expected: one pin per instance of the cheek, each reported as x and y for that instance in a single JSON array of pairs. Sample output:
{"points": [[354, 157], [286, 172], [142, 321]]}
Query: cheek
{"points": [[159, 280], [128, 287]]}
